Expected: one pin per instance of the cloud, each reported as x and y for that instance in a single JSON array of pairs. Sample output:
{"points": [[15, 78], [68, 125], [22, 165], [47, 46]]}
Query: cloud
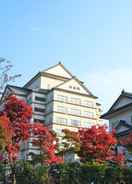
{"points": [[107, 85]]}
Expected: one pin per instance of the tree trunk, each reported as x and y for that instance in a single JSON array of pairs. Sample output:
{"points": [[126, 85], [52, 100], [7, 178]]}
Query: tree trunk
{"points": [[13, 173], [14, 179]]}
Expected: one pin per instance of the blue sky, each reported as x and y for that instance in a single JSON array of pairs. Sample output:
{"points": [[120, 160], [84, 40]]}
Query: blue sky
{"points": [[92, 38]]}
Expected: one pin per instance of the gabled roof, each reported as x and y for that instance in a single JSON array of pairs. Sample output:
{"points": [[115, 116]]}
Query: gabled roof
{"points": [[32, 79], [123, 107], [4, 92], [80, 83], [27, 89], [61, 66], [49, 73], [14, 90], [21, 90]]}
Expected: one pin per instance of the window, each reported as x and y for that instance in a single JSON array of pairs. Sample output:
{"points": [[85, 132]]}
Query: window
{"points": [[75, 122], [62, 98], [62, 121], [39, 120], [88, 114], [76, 101], [37, 109], [88, 103], [76, 112], [86, 124], [62, 109], [74, 87], [40, 99]]}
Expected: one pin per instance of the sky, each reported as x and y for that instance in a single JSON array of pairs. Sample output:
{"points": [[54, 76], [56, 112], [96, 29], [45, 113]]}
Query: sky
{"points": [[93, 39]]}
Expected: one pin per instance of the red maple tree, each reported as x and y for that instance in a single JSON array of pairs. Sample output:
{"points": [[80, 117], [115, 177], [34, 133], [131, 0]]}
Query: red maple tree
{"points": [[16, 128], [93, 144], [47, 142], [16, 115], [5, 132]]}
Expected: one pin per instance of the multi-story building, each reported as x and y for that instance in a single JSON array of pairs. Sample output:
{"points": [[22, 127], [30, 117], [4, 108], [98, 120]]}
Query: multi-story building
{"points": [[59, 99]]}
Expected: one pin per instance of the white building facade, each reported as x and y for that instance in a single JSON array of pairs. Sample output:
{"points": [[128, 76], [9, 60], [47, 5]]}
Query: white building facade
{"points": [[59, 100]]}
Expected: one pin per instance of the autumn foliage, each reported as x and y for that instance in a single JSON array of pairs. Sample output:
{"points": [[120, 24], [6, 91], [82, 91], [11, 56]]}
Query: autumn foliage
{"points": [[47, 142], [16, 128], [5, 132], [94, 143]]}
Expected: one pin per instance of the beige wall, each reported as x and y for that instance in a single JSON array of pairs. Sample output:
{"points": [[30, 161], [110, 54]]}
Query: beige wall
{"points": [[72, 95], [59, 70], [58, 129], [73, 85], [68, 114], [48, 83]]}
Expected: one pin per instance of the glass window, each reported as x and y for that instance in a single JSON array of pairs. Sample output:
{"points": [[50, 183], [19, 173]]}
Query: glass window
{"points": [[88, 114], [62, 121], [40, 99], [62, 109], [62, 98], [76, 100], [86, 124], [37, 109], [76, 111], [88, 103], [38, 120], [75, 122]]}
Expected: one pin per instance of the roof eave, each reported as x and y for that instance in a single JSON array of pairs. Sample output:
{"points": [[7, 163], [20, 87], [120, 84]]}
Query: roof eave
{"points": [[119, 110], [32, 79]]}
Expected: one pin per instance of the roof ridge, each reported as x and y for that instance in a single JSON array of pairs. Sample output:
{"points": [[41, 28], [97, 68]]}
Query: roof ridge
{"points": [[129, 93], [59, 63], [113, 111]]}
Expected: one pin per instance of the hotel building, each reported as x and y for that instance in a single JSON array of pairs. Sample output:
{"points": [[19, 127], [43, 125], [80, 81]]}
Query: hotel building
{"points": [[58, 99]]}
